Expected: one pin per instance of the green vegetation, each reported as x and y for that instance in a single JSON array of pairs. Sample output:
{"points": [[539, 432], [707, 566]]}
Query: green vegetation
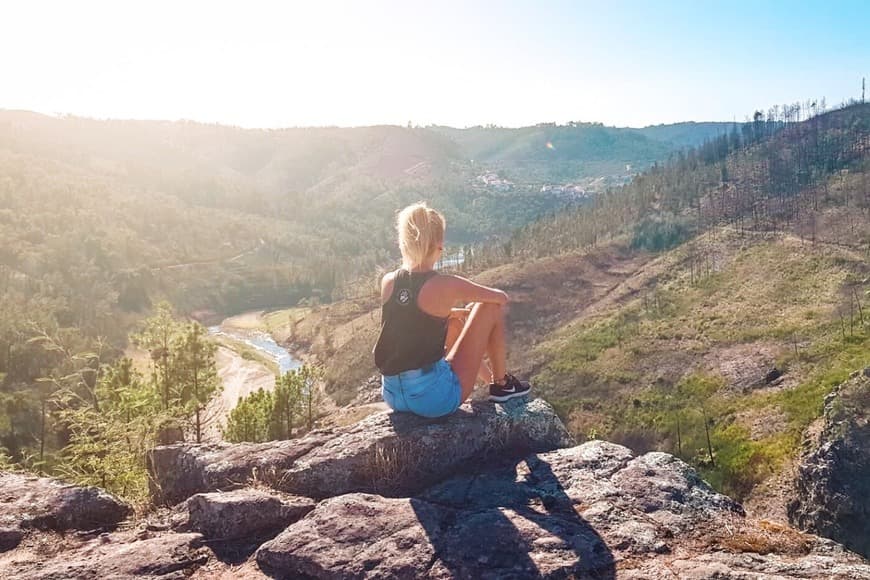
{"points": [[92, 420], [283, 322], [108, 439], [230, 219], [282, 413], [184, 369], [660, 232], [548, 153]]}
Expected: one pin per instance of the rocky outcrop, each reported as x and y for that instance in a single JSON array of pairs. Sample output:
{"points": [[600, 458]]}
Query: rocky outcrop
{"points": [[387, 453], [509, 500], [833, 482], [182, 470], [42, 503], [587, 512]]}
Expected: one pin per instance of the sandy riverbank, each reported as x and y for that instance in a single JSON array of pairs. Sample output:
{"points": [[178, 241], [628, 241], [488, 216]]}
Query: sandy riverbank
{"points": [[240, 377]]}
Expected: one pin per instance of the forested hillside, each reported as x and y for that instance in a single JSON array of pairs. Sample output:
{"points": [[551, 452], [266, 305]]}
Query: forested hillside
{"points": [[722, 349], [770, 174], [577, 151], [221, 217]]}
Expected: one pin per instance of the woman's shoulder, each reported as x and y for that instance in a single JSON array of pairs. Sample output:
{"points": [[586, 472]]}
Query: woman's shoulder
{"points": [[444, 285], [389, 277], [451, 280], [387, 281]]}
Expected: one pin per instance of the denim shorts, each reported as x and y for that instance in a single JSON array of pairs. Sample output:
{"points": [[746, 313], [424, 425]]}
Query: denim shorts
{"points": [[432, 391]]}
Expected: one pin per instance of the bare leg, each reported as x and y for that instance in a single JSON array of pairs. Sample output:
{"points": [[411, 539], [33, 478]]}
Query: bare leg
{"points": [[454, 329], [483, 334]]}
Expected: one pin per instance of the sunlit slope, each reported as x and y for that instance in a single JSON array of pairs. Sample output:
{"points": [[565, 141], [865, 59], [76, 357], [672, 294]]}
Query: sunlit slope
{"points": [[696, 333]]}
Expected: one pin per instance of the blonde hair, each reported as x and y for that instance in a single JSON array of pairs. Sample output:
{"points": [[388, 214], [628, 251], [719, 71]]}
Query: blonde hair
{"points": [[421, 232]]}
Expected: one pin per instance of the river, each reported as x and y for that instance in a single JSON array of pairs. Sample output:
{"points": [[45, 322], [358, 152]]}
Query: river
{"points": [[452, 261], [260, 341], [242, 376]]}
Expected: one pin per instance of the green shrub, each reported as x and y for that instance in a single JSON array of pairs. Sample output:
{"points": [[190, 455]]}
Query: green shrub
{"points": [[660, 232]]}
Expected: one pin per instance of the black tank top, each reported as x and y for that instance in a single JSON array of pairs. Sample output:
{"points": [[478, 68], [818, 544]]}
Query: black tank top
{"points": [[409, 338]]}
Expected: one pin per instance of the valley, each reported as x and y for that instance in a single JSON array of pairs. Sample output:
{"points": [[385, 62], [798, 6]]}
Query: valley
{"points": [[664, 208], [705, 308]]}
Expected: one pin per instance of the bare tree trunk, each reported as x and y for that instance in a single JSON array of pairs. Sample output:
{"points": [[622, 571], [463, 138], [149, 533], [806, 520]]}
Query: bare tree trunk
{"points": [[707, 433], [679, 438], [42, 432]]}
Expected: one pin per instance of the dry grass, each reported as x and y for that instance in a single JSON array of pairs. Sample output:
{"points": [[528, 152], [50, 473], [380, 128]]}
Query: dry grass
{"points": [[393, 462], [759, 537], [763, 300], [281, 324], [764, 293]]}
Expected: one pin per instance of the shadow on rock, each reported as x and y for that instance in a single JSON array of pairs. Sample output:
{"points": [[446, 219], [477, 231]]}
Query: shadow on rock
{"points": [[235, 551], [519, 530], [409, 423]]}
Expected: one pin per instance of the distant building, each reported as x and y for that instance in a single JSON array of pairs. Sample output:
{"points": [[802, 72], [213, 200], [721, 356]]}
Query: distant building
{"points": [[491, 180]]}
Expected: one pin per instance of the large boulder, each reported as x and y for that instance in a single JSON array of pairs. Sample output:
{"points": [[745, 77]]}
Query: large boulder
{"points": [[833, 480], [43, 503], [590, 511], [181, 470], [244, 513], [387, 453], [358, 535]]}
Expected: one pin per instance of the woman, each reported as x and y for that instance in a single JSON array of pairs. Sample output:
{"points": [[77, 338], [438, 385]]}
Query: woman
{"points": [[416, 313]]}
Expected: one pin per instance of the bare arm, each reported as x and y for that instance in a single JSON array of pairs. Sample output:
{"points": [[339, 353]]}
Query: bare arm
{"points": [[387, 286], [465, 290]]}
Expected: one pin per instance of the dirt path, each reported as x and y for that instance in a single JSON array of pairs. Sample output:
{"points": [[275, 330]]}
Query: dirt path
{"points": [[240, 377], [211, 261]]}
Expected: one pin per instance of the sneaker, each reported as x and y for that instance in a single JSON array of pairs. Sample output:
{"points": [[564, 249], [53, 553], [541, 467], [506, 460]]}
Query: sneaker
{"points": [[511, 388]]}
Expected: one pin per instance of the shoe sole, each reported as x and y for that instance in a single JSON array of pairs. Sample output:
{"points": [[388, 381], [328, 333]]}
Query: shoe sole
{"points": [[504, 398]]}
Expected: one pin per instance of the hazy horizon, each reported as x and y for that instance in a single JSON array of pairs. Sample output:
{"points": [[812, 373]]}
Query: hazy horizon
{"points": [[60, 115], [510, 64]]}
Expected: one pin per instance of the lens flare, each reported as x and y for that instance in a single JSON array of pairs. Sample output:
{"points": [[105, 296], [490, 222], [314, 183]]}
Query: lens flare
{"points": [[550, 145]]}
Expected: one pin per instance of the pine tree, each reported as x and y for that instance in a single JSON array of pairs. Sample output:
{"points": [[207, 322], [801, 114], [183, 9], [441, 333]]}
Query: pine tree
{"points": [[157, 337], [310, 377], [251, 418], [196, 374], [108, 440], [287, 405]]}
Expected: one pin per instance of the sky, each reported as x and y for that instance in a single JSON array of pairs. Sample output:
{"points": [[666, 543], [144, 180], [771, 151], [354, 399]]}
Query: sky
{"points": [[458, 63]]}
